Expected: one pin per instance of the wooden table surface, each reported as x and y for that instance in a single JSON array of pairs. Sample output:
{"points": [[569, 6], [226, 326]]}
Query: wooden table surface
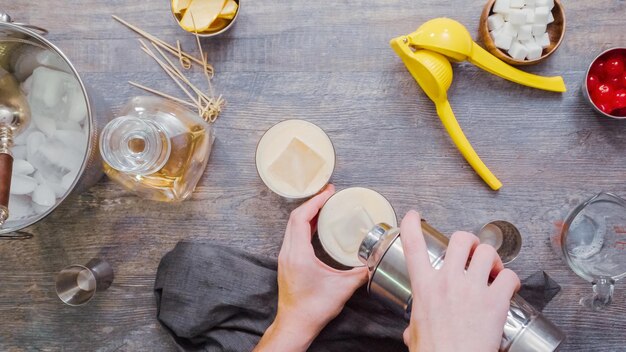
{"points": [[329, 63]]}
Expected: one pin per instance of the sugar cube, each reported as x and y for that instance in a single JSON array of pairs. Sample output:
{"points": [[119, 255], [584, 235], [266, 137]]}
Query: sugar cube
{"points": [[297, 165], [495, 22], [547, 3], [518, 51], [503, 40], [494, 34], [525, 32], [542, 15], [501, 6], [517, 17], [539, 29], [516, 4], [530, 15], [509, 29], [543, 40], [530, 4], [534, 50]]}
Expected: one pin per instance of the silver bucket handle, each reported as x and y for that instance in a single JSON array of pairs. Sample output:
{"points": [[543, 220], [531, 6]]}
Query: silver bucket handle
{"points": [[4, 17]]}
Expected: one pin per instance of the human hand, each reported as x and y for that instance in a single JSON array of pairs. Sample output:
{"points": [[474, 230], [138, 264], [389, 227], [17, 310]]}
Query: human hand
{"points": [[310, 293], [454, 308]]}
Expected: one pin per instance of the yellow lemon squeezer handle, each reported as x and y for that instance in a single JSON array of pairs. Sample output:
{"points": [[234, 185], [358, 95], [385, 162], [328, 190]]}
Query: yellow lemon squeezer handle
{"points": [[433, 74], [444, 110], [483, 59]]}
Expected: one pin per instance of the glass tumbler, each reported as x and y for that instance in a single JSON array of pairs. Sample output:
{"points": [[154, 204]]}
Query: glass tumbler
{"points": [[593, 242]]}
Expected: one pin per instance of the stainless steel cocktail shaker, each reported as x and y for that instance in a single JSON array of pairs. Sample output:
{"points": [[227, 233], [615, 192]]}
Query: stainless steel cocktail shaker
{"points": [[526, 329]]}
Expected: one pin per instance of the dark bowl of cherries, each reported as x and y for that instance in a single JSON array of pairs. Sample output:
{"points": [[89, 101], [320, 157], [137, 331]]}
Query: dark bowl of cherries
{"points": [[605, 83]]}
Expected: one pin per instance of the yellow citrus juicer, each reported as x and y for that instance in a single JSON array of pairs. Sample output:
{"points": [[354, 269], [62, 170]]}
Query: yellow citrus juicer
{"points": [[451, 39], [433, 73]]}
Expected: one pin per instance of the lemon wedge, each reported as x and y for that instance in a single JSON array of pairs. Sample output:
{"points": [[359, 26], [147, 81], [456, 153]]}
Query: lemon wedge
{"points": [[179, 5], [217, 25], [202, 13], [229, 10]]}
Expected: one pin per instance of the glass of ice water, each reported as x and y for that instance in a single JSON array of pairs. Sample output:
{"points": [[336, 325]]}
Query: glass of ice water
{"points": [[593, 242]]}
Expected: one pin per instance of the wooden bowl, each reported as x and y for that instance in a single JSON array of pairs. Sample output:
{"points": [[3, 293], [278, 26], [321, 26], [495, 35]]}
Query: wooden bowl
{"points": [[556, 31]]}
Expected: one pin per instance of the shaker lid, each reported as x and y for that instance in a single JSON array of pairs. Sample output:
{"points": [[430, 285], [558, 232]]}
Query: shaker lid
{"points": [[375, 244]]}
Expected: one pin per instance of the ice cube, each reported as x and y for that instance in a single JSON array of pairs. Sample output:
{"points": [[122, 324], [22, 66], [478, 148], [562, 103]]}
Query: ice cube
{"points": [[57, 95], [26, 59], [48, 86], [55, 184], [34, 142], [19, 152], [22, 184], [72, 139], [26, 86], [20, 207], [69, 126], [22, 167], [349, 231], [77, 107], [61, 156], [21, 138], [44, 195], [45, 124], [297, 165], [40, 209], [53, 160], [67, 180]]}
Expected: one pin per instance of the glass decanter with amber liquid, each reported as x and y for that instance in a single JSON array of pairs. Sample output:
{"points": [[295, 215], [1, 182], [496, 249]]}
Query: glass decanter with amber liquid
{"points": [[156, 148]]}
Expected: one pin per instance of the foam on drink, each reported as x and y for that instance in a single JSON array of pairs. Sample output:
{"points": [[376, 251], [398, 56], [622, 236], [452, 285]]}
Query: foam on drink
{"points": [[295, 159], [347, 217]]}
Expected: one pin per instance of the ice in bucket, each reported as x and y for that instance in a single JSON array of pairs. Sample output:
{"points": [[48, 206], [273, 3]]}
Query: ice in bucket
{"points": [[49, 154]]}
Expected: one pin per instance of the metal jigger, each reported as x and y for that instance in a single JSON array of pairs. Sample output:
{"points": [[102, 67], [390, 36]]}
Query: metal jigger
{"points": [[14, 117], [77, 284], [504, 237]]}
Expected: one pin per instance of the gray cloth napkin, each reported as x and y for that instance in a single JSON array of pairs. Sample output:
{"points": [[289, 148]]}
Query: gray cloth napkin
{"points": [[215, 298]]}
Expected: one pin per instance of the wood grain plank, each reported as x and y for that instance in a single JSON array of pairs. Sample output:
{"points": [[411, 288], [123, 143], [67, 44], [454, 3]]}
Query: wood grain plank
{"points": [[329, 63]]}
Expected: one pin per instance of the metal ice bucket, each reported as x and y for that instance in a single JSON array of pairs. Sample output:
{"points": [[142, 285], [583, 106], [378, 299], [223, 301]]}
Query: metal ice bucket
{"points": [[13, 37]]}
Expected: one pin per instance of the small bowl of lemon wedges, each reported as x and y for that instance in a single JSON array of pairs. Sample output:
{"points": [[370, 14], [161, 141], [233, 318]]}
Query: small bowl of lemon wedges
{"points": [[205, 18]]}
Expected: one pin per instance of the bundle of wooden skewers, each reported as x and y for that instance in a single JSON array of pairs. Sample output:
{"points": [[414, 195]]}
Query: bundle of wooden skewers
{"points": [[207, 103]]}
